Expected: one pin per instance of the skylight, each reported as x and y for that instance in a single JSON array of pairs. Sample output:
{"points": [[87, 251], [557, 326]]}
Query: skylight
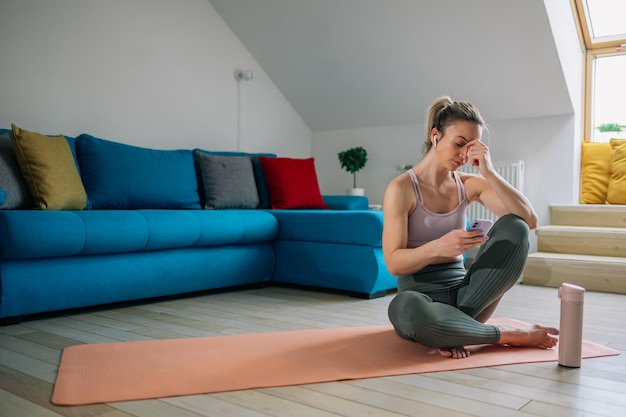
{"points": [[606, 18]]}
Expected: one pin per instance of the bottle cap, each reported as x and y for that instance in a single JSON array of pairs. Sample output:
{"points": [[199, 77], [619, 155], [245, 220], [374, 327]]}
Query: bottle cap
{"points": [[571, 292]]}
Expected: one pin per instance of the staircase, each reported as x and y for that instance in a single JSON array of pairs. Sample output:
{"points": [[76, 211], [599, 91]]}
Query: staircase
{"points": [[583, 245]]}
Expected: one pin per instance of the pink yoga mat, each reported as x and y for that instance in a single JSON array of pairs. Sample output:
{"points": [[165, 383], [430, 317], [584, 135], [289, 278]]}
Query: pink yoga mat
{"points": [[110, 372]]}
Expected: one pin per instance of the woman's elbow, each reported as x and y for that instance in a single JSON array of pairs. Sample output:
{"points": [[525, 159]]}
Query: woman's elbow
{"points": [[392, 270], [389, 264]]}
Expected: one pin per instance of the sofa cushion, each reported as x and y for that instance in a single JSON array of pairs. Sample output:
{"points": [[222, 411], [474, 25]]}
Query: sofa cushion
{"points": [[120, 176], [228, 181], [616, 193], [259, 176], [49, 170], [359, 227], [241, 227], [29, 234], [346, 202], [292, 183], [595, 172], [52, 284], [11, 180]]}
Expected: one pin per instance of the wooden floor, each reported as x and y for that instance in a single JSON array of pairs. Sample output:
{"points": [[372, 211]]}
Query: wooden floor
{"points": [[30, 353]]}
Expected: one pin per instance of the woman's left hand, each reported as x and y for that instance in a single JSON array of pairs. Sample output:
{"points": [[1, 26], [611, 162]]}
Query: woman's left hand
{"points": [[478, 156]]}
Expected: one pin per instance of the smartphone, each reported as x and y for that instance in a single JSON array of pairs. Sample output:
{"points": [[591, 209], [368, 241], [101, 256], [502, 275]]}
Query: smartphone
{"points": [[481, 224]]}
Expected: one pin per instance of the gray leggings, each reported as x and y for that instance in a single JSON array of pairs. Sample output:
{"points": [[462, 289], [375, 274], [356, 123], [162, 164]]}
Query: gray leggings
{"points": [[454, 315]]}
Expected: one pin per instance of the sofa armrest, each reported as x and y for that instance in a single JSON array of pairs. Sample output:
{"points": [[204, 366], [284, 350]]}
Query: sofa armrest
{"points": [[337, 249], [346, 202]]}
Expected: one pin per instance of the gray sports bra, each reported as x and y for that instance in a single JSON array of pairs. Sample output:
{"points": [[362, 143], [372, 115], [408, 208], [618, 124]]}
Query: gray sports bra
{"points": [[424, 225]]}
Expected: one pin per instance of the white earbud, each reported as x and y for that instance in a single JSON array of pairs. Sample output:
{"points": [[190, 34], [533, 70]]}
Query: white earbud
{"points": [[435, 138]]}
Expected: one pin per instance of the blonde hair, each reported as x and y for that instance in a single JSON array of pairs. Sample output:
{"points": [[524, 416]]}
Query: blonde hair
{"points": [[444, 111]]}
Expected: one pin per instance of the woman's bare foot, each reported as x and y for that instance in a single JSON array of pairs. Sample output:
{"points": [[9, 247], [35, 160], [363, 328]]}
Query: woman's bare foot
{"points": [[532, 336], [455, 352]]}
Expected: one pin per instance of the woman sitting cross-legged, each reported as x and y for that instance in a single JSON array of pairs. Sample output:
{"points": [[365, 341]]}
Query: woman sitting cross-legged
{"points": [[439, 304]]}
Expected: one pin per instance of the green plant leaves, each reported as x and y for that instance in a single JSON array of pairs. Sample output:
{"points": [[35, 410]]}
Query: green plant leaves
{"points": [[353, 160]]}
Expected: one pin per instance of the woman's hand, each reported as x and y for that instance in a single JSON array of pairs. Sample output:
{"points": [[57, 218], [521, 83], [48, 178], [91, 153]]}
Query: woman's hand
{"points": [[458, 241], [478, 155]]}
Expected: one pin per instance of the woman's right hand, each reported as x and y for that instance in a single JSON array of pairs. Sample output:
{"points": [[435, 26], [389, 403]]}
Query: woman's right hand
{"points": [[459, 241]]}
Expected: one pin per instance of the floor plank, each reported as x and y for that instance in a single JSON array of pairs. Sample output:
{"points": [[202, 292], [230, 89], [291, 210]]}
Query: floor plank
{"points": [[21, 407]]}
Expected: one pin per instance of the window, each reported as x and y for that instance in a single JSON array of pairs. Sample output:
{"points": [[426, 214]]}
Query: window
{"points": [[603, 29], [608, 105]]}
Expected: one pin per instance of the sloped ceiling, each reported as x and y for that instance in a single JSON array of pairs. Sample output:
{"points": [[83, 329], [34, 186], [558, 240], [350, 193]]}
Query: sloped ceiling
{"points": [[359, 63]]}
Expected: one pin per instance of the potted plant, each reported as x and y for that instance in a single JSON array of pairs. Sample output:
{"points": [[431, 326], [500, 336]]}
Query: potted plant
{"points": [[353, 160], [610, 130]]}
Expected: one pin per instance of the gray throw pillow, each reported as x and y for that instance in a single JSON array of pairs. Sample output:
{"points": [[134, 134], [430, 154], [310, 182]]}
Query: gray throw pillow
{"points": [[228, 181], [11, 180]]}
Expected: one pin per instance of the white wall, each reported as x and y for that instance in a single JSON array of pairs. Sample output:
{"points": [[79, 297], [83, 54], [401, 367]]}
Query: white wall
{"points": [[387, 147], [572, 57], [154, 73]]}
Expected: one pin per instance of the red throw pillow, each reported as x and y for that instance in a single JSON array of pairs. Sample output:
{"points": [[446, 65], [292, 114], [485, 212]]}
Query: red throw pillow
{"points": [[292, 183]]}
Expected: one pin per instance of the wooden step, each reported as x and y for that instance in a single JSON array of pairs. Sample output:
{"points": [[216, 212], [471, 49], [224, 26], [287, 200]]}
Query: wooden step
{"points": [[584, 240], [600, 215], [594, 273]]}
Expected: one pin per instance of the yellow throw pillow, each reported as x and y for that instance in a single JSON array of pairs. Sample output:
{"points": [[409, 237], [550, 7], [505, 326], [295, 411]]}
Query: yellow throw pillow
{"points": [[617, 182], [49, 170], [595, 172]]}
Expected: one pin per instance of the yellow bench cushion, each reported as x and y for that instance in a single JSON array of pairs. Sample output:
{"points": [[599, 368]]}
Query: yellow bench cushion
{"points": [[616, 193], [595, 172]]}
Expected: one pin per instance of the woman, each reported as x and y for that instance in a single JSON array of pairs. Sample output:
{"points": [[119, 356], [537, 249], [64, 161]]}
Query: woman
{"points": [[439, 304]]}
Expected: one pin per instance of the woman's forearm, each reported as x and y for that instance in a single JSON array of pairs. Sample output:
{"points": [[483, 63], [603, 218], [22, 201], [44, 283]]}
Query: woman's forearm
{"points": [[513, 200]]}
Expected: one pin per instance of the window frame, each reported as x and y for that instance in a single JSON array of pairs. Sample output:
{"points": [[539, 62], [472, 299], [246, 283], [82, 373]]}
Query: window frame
{"points": [[593, 48]]}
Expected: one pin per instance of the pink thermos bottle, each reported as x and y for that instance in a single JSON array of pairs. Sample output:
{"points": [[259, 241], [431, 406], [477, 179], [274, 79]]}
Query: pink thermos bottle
{"points": [[571, 326]]}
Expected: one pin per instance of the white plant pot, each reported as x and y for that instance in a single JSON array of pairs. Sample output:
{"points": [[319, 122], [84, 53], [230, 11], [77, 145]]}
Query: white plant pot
{"points": [[356, 191]]}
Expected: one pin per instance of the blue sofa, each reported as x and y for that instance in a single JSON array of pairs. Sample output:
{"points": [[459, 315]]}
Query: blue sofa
{"points": [[146, 231]]}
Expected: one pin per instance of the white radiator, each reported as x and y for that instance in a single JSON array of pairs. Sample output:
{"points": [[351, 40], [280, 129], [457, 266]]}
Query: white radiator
{"points": [[513, 173]]}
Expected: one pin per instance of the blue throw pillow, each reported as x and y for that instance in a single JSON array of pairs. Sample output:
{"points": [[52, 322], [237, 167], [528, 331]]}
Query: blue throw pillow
{"points": [[120, 176], [3, 196]]}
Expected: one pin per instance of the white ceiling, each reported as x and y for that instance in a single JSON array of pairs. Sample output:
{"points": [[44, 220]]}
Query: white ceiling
{"points": [[359, 63]]}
